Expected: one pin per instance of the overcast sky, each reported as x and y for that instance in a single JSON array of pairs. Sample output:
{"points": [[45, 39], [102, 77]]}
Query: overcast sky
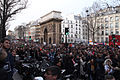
{"points": [[38, 8]]}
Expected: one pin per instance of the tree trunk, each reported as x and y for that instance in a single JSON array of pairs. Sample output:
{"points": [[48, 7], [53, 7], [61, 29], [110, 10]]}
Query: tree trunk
{"points": [[3, 32], [93, 38], [4, 20]]}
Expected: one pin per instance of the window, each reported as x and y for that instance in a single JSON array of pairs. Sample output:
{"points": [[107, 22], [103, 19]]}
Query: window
{"points": [[71, 30], [106, 40], [102, 33], [102, 26], [71, 35], [111, 25], [116, 18], [71, 40], [49, 40], [68, 21], [117, 24], [102, 39], [111, 32], [76, 28], [68, 36], [106, 19], [106, 32], [98, 33], [71, 26], [41, 40], [98, 20], [106, 25], [102, 20], [76, 21], [76, 32], [68, 40], [63, 30], [76, 36], [83, 37], [117, 32], [63, 25], [98, 25], [111, 18], [68, 25]]}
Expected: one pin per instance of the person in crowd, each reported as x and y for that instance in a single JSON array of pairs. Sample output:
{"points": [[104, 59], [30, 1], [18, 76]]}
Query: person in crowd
{"points": [[91, 69], [108, 66], [13, 52], [99, 60], [64, 57], [3, 73], [68, 63], [109, 77], [52, 73], [51, 56], [8, 63]]}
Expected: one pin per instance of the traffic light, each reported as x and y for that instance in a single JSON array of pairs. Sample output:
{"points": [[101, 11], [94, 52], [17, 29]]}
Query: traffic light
{"points": [[113, 37], [66, 31]]}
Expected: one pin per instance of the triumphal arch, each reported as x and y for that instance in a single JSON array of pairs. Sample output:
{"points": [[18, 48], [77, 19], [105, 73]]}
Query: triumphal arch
{"points": [[50, 28]]}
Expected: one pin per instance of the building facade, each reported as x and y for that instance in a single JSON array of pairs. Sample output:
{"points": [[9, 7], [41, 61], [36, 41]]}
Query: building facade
{"points": [[108, 23], [76, 30]]}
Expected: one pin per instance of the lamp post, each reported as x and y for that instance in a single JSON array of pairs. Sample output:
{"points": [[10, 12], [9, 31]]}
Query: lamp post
{"points": [[75, 38], [87, 25]]}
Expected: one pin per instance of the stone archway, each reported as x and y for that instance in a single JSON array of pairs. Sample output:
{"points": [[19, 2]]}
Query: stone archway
{"points": [[50, 29], [45, 35], [50, 40]]}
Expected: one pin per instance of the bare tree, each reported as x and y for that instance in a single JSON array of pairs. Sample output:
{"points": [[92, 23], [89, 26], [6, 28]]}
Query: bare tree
{"points": [[92, 14], [8, 9]]}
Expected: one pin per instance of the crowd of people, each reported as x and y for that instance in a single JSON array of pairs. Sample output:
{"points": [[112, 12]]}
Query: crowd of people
{"points": [[99, 62]]}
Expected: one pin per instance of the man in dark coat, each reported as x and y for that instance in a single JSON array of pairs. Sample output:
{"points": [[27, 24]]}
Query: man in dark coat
{"points": [[8, 62]]}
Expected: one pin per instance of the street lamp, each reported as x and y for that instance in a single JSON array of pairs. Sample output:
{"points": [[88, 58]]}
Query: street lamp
{"points": [[87, 25]]}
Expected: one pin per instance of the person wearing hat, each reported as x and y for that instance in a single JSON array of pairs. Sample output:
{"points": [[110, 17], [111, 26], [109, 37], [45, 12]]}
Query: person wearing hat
{"points": [[108, 66]]}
